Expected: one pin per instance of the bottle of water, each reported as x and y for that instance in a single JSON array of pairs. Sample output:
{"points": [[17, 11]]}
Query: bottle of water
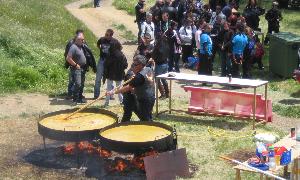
{"points": [[272, 163]]}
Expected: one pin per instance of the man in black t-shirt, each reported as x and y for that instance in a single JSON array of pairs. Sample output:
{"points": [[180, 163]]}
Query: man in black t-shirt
{"points": [[140, 14], [103, 44], [143, 86]]}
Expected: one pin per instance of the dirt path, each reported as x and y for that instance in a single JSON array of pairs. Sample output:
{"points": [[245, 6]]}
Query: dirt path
{"points": [[19, 112], [101, 18]]}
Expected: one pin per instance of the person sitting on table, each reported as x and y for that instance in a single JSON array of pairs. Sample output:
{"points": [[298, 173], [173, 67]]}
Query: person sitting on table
{"points": [[143, 86]]}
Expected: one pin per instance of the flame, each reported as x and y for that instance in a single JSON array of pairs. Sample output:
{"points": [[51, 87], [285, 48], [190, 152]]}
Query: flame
{"points": [[90, 148], [68, 149], [82, 146], [138, 161], [120, 165], [103, 153]]}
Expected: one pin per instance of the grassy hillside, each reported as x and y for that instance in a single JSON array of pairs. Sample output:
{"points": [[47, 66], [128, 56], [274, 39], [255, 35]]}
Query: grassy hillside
{"points": [[33, 35]]}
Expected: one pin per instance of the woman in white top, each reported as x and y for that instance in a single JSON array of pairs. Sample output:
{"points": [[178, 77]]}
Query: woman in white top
{"points": [[186, 34]]}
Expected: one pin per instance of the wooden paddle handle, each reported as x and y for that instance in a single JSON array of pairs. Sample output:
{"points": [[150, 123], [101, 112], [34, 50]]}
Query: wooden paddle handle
{"points": [[88, 104]]}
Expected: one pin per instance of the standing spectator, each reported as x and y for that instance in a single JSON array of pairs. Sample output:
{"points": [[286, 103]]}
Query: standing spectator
{"points": [[140, 14], [217, 27], [103, 44], [96, 3], [181, 10], [156, 11], [216, 14], [160, 56], [258, 54], [148, 27], [162, 26], [247, 54], [214, 3], [252, 13], [114, 69], [239, 43], [174, 45], [225, 37], [77, 61], [273, 17], [207, 13], [186, 34], [67, 65], [199, 25], [205, 62], [169, 7]]}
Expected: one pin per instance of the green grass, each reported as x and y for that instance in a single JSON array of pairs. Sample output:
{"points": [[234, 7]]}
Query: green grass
{"points": [[88, 5], [129, 5], [204, 148], [125, 33], [32, 42]]}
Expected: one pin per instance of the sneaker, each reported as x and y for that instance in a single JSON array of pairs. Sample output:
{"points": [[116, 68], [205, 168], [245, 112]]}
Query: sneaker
{"points": [[69, 97], [81, 101], [105, 105], [162, 97]]}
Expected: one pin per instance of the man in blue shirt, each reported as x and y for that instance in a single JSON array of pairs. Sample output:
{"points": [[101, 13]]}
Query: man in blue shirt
{"points": [[205, 61], [239, 43]]}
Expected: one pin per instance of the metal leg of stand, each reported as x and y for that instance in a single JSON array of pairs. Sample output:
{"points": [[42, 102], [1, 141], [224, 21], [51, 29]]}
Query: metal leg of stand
{"points": [[170, 97], [266, 102], [44, 141], [254, 108], [156, 94]]}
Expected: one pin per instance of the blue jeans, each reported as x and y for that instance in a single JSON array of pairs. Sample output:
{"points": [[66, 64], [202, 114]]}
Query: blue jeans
{"points": [[110, 87], [161, 69], [96, 3], [225, 64], [71, 84], [99, 75], [78, 77]]}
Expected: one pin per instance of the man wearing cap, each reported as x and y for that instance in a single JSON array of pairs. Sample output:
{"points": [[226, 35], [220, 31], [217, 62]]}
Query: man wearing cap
{"points": [[273, 17], [143, 86]]}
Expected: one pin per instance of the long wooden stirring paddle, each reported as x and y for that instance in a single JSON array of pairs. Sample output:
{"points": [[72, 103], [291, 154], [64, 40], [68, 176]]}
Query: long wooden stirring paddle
{"points": [[88, 104]]}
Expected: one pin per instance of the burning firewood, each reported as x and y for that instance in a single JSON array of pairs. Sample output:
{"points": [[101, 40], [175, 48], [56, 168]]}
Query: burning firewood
{"points": [[103, 153]]}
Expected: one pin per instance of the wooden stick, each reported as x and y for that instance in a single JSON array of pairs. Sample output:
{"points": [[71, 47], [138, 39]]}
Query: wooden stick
{"points": [[88, 104], [252, 168]]}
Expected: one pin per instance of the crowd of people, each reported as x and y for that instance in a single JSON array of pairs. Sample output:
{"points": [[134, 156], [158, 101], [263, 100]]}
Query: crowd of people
{"points": [[170, 31], [191, 29]]}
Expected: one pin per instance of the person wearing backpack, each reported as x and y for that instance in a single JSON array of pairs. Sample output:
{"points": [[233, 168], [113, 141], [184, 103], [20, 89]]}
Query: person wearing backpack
{"points": [[67, 65], [90, 62], [78, 63]]}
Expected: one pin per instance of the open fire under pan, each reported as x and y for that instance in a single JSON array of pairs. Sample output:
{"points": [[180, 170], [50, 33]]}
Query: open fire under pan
{"points": [[82, 126], [138, 137]]}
